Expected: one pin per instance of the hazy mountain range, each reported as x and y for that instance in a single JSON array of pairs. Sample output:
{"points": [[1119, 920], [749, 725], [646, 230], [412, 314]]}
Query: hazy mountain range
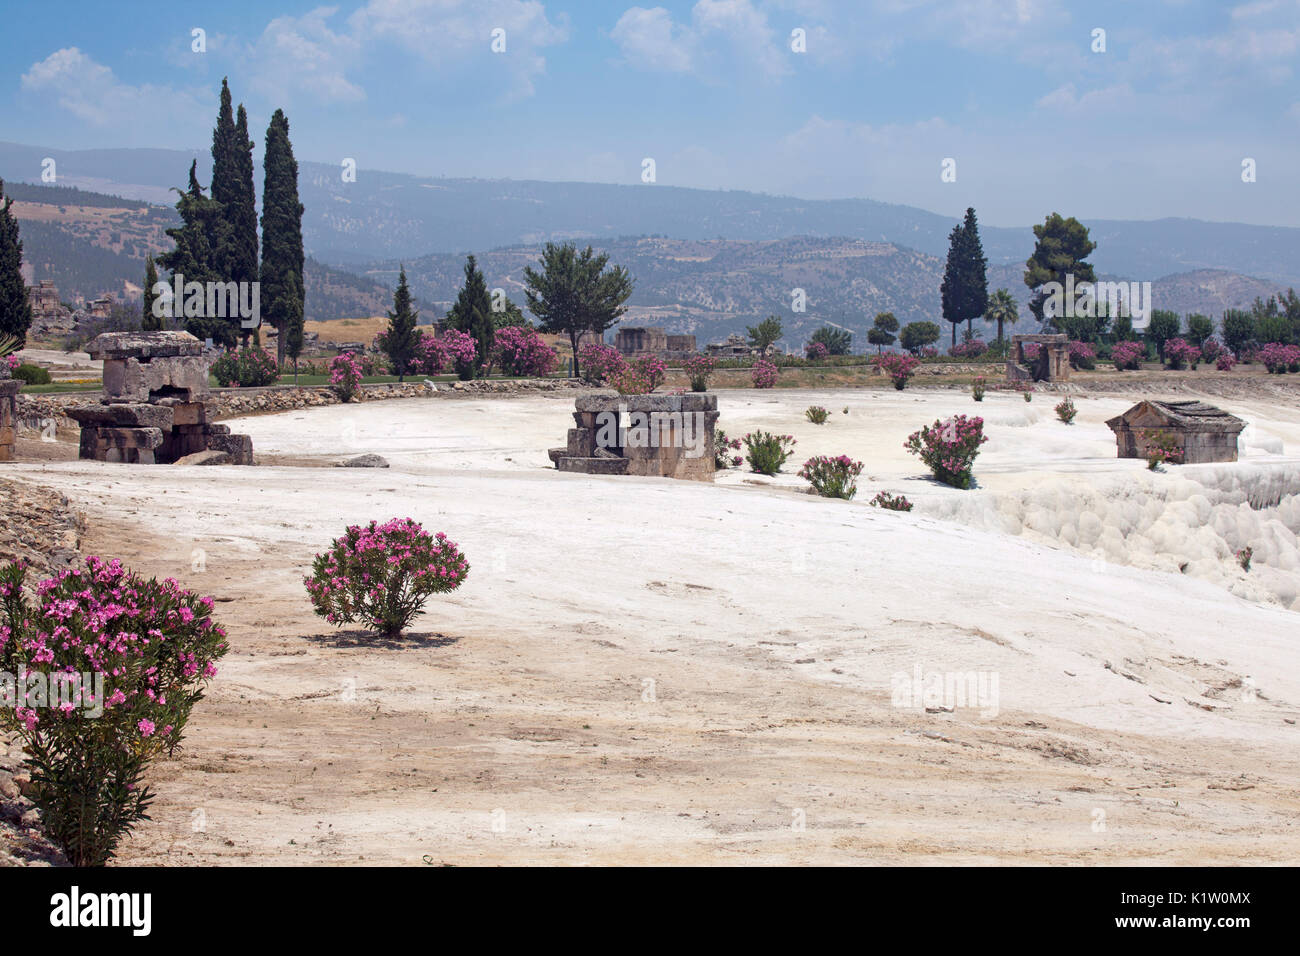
{"points": [[730, 257]]}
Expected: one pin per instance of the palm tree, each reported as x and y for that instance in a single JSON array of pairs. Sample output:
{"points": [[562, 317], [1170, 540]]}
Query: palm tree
{"points": [[1002, 308]]}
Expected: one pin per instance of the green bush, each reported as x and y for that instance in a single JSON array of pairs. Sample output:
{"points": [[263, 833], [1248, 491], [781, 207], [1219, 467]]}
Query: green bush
{"points": [[32, 374], [766, 453]]}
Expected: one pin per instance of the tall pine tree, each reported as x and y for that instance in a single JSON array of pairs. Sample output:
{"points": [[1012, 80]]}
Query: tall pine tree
{"points": [[15, 307], [235, 247], [197, 239], [965, 290], [401, 337], [282, 250], [1060, 251], [472, 313]]}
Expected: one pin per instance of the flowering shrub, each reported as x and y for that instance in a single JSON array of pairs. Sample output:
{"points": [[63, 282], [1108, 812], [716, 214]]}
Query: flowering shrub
{"points": [[890, 502], [246, 368], [1279, 358], [722, 449], [764, 374], [1180, 353], [928, 351], [428, 357], [766, 453], [1211, 349], [949, 448], [521, 351], [1127, 355], [972, 349], [1244, 556], [699, 368], [597, 361], [1082, 355], [817, 415], [9, 365], [461, 350], [381, 575], [641, 377], [1161, 448], [1225, 361], [977, 388], [898, 367], [816, 350], [1066, 411], [832, 477], [1031, 350], [120, 662], [345, 375]]}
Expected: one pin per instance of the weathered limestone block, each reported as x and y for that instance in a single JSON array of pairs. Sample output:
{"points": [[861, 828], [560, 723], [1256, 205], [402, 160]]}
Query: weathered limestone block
{"points": [[134, 415], [238, 447], [143, 345], [650, 435], [131, 445], [9, 389], [135, 380]]}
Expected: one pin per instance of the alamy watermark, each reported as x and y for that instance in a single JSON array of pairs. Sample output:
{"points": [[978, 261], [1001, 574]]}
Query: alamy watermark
{"points": [[638, 429], [209, 300], [37, 690], [945, 690], [1081, 300]]}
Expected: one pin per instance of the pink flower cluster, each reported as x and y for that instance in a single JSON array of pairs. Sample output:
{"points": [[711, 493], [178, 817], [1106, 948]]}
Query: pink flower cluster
{"points": [[1225, 361], [520, 351], [246, 368], [972, 349], [345, 375], [699, 368], [1279, 358], [380, 575], [639, 377], [899, 367], [816, 350], [764, 374], [597, 361], [1127, 355], [461, 350], [1180, 353], [949, 448], [832, 477]]}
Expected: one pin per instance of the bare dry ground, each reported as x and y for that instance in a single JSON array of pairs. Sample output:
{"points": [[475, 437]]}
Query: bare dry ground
{"points": [[646, 671]]}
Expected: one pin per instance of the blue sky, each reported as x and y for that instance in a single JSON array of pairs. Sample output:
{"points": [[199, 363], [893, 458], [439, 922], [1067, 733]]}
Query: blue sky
{"points": [[1156, 125]]}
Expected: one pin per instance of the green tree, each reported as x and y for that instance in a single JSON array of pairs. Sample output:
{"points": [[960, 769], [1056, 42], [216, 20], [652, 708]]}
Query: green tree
{"points": [[1271, 322], [472, 313], [282, 249], [764, 335], [882, 331], [195, 258], [401, 338], [148, 321], [1238, 330], [917, 335], [1164, 326], [1002, 309], [965, 288], [508, 315], [1122, 328], [15, 307], [837, 341], [1060, 251], [1199, 328], [575, 293]]}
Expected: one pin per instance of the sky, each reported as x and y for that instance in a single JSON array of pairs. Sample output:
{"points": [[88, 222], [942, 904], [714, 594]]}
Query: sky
{"points": [[1037, 110]]}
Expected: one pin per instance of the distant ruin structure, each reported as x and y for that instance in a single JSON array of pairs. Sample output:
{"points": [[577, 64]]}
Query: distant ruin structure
{"points": [[736, 346], [1201, 432], [669, 436], [49, 315], [636, 341], [1051, 364], [155, 404]]}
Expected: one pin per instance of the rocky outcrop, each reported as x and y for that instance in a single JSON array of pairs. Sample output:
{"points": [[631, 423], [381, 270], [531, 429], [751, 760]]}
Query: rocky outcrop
{"points": [[38, 526]]}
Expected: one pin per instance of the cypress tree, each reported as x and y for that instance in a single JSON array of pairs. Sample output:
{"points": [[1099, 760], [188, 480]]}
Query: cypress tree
{"points": [[472, 313], [15, 307], [965, 290], [400, 339], [195, 257], [150, 322], [282, 250]]}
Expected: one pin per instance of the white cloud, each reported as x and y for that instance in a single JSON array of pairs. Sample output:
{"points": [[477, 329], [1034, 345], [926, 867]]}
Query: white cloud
{"points": [[650, 39], [91, 92], [302, 54]]}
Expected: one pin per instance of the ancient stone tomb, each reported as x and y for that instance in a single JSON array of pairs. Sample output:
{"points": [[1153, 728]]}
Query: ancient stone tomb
{"points": [[1052, 364], [1203, 433], [155, 404], [670, 436]]}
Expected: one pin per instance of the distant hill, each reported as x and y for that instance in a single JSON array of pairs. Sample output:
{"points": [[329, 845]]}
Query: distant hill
{"points": [[392, 215]]}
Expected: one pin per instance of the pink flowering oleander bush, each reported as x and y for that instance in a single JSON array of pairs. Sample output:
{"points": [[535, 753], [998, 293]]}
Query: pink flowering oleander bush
{"points": [[461, 351], [928, 352], [597, 361], [1031, 350], [1159, 448], [428, 357], [380, 575], [972, 349], [9, 365], [890, 502], [1211, 349], [1179, 353], [1127, 356], [764, 374], [816, 350], [899, 367], [832, 477], [1225, 361], [345, 375], [766, 453], [521, 351], [949, 448], [99, 671], [722, 451], [639, 377], [245, 368], [698, 368], [1279, 358], [1082, 355], [1066, 411]]}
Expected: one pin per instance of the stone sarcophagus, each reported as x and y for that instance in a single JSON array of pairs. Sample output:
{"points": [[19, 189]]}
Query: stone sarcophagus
{"points": [[155, 403], [1201, 433], [669, 436], [1050, 363]]}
